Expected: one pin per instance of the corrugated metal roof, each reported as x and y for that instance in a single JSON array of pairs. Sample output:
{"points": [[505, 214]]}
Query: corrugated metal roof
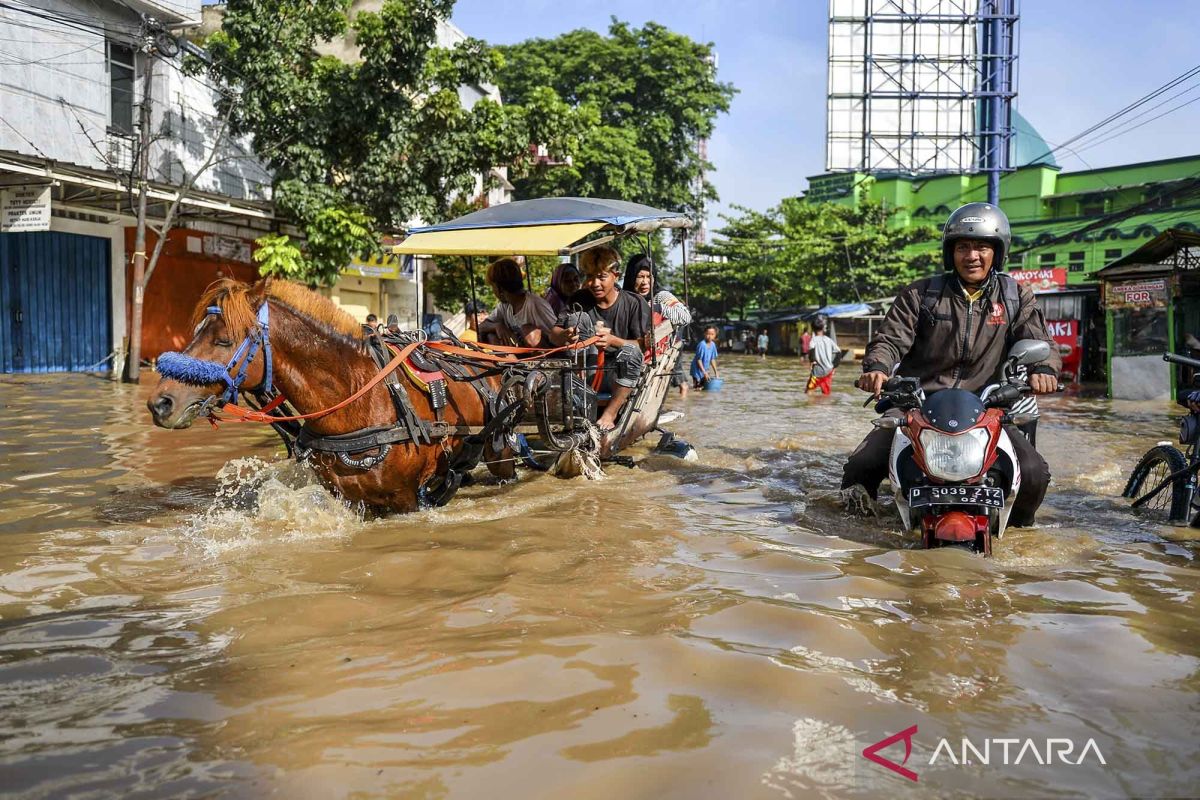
{"points": [[1149, 257]]}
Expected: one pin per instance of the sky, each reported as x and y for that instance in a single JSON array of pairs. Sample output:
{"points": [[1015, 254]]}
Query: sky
{"points": [[1080, 60]]}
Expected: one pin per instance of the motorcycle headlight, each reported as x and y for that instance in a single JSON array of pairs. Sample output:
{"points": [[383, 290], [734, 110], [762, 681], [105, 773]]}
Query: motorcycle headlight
{"points": [[954, 458]]}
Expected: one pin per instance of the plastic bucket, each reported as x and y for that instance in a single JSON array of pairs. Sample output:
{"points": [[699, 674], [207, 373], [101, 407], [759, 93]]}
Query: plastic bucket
{"points": [[714, 384]]}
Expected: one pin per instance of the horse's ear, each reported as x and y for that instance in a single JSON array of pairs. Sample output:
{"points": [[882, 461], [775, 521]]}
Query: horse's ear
{"points": [[258, 292]]}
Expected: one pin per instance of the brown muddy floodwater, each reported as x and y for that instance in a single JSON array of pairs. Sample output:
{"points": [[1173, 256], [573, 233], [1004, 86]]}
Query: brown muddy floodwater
{"points": [[184, 615]]}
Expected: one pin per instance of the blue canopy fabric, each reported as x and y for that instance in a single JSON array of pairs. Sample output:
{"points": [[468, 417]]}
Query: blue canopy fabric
{"points": [[560, 211], [844, 310]]}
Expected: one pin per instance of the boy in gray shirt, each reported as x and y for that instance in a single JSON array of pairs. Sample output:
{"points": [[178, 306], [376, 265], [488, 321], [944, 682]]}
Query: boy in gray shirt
{"points": [[824, 354]]}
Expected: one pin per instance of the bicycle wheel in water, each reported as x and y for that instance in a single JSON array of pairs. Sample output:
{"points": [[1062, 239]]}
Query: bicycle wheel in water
{"points": [[1170, 504]]}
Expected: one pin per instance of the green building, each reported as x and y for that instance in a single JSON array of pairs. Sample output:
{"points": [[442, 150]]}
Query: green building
{"points": [[1066, 227], [1076, 221]]}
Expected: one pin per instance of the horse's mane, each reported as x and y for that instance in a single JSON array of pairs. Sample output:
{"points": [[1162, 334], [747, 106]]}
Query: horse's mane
{"points": [[239, 304]]}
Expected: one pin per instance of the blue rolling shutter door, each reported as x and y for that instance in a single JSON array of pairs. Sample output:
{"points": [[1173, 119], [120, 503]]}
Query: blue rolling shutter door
{"points": [[54, 296]]}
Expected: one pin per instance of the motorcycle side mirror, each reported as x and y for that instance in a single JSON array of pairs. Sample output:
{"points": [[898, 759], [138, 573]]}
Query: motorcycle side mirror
{"points": [[887, 423], [1029, 351]]}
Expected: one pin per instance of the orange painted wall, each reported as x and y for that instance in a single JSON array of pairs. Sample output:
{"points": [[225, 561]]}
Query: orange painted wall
{"points": [[178, 281]]}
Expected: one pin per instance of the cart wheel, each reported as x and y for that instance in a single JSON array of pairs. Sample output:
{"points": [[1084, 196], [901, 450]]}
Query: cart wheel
{"points": [[1170, 504]]}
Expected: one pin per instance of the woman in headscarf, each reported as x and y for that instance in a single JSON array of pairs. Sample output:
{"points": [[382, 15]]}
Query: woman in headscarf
{"points": [[565, 281], [639, 279]]}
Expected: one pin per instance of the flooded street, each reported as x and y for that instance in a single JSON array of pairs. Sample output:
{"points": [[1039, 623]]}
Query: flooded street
{"points": [[182, 614]]}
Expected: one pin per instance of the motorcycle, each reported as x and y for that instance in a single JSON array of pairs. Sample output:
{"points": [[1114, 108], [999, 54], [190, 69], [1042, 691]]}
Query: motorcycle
{"points": [[952, 464], [1164, 483]]}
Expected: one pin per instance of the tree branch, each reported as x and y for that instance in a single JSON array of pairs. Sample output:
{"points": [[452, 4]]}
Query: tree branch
{"points": [[184, 191]]}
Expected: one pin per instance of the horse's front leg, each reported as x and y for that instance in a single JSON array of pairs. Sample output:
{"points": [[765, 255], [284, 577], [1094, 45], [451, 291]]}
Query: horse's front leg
{"points": [[500, 463]]}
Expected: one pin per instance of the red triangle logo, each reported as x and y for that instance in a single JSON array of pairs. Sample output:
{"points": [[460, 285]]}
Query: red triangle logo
{"points": [[872, 753]]}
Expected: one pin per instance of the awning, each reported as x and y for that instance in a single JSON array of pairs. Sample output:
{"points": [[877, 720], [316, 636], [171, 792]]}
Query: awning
{"points": [[620, 214], [529, 240], [844, 311], [1156, 255]]}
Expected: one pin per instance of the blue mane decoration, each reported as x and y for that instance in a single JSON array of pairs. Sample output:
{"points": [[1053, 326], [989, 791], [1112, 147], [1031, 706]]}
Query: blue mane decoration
{"points": [[193, 371]]}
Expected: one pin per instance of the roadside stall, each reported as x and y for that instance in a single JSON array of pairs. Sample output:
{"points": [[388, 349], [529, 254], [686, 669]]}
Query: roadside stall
{"points": [[1152, 305], [1072, 315], [853, 324]]}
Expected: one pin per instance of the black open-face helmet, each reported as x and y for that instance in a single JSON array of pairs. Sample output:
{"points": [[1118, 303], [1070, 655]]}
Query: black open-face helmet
{"points": [[982, 221]]}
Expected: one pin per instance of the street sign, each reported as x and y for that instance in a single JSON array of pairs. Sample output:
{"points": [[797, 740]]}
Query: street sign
{"points": [[24, 209]]}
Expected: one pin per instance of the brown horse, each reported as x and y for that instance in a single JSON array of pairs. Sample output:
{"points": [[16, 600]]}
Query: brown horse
{"points": [[319, 359]]}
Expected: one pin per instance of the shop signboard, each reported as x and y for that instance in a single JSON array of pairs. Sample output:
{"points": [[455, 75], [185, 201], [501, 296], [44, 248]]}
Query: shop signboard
{"points": [[1066, 333], [24, 209], [1136, 294], [226, 248], [386, 265], [1042, 280]]}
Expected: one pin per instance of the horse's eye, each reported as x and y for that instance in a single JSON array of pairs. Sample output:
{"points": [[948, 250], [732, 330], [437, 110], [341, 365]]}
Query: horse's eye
{"points": [[223, 343]]}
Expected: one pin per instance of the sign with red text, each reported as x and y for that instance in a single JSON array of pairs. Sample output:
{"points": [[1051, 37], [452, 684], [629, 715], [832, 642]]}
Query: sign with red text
{"points": [[1136, 294], [1042, 280], [1066, 333]]}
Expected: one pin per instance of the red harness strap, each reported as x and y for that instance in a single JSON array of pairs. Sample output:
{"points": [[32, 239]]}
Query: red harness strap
{"points": [[246, 415], [274, 404]]}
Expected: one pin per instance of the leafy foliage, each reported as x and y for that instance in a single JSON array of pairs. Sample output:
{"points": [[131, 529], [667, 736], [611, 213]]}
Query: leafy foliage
{"points": [[364, 146], [800, 253], [627, 107]]}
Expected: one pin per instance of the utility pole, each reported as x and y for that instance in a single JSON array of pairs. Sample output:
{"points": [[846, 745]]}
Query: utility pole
{"points": [[133, 365], [687, 295]]}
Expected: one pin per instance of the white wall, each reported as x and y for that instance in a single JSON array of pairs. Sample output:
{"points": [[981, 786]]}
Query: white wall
{"points": [[54, 87], [188, 114], [55, 96]]}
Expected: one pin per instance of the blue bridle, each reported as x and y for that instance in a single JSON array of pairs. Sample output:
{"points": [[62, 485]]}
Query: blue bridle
{"points": [[198, 372]]}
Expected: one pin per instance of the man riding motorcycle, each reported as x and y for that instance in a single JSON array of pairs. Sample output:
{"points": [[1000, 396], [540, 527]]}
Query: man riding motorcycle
{"points": [[953, 331]]}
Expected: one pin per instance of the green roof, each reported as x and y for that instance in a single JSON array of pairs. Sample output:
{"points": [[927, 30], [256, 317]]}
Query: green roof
{"points": [[1030, 147]]}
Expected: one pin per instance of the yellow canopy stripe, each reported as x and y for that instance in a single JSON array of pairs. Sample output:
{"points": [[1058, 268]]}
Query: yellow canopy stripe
{"points": [[527, 240]]}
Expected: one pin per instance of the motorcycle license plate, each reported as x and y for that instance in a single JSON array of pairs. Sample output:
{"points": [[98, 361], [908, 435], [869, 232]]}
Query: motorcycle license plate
{"points": [[988, 496]]}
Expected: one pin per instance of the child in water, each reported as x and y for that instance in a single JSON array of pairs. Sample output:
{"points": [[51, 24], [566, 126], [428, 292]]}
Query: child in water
{"points": [[704, 365]]}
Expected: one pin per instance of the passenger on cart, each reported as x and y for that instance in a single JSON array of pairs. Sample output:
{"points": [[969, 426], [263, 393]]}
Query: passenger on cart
{"points": [[622, 321]]}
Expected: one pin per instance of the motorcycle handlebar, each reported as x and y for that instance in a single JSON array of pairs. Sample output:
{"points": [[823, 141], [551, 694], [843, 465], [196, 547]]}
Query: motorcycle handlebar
{"points": [[1007, 395], [1178, 359]]}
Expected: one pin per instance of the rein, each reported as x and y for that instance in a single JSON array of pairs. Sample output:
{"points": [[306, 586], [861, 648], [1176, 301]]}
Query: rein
{"points": [[195, 371]]}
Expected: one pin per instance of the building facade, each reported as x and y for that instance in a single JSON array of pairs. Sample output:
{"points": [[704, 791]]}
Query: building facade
{"points": [[1066, 226], [71, 85], [1074, 221]]}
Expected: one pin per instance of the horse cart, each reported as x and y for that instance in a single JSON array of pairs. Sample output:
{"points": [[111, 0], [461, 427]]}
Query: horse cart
{"points": [[398, 421]]}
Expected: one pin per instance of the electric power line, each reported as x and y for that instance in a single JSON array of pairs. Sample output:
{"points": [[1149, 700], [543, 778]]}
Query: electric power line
{"points": [[26, 138], [1118, 114], [1140, 124]]}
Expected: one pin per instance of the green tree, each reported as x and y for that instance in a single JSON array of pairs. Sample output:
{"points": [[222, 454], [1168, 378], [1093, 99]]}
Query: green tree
{"points": [[845, 254], [800, 253], [743, 267], [628, 108], [364, 147]]}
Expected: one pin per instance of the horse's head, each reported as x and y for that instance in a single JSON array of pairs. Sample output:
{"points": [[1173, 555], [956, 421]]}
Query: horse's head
{"points": [[197, 380]]}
